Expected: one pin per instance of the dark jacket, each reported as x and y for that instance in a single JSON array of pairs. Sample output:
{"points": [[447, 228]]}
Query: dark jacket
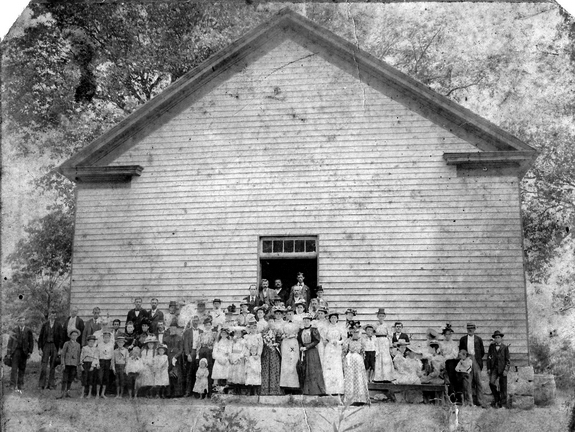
{"points": [[137, 320], [189, 341], [56, 335], [478, 346], [403, 336], [21, 339], [315, 338], [175, 346], [159, 316], [498, 360], [79, 326], [253, 304]]}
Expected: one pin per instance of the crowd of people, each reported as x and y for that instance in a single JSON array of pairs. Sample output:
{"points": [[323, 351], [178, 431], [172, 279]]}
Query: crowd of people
{"points": [[281, 341]]}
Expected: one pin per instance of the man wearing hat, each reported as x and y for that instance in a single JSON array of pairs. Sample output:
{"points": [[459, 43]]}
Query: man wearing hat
{"points": [[217, 314], [154, 315], [473, 344], [191, 347], [498, 364], [175, 350], [49, 343], [137, 315], [70, 360], [171, 314]]}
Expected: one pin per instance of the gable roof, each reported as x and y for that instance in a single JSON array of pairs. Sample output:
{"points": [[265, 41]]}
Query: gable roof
{"points": [[494, 144]]}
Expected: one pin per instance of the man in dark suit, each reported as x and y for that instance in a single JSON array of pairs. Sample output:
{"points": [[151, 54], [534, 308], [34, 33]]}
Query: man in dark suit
{"points": [[72, 322], [281, 292], [137, 314], [191, 347], [266, 295], [94, 324], [498, 364], [473, 344], [20, 346], [253, 299], [49, 343], [398, 334], [155, 315]]}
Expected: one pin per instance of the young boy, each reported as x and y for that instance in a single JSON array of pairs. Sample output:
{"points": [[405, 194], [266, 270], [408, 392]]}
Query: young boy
{"points": [[119, 364], [105, 351], [89, 363], [463, 370], [399, 335], [133, 367], [369, 349], [71, 360]]}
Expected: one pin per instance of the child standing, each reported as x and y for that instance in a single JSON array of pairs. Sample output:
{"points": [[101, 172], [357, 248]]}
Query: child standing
{"points": [[201, 384], [148, 353], [369, 350], [71, 360], [463, 370], [221, 354], [133, 368], [89, 363], [161, 377], [237, 375], [119, 359], [106, 351]]}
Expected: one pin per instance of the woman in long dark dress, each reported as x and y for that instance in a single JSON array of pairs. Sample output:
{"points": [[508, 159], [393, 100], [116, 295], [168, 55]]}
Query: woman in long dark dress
{"points": [[271, 358], [308, 338]]}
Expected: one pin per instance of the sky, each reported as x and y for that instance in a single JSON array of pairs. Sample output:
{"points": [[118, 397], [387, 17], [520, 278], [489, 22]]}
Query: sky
{"points": [[12, 10]]}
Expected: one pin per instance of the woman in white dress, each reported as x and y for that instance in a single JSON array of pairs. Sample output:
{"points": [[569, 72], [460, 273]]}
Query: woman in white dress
{"points": [[237, 375], [290, 353], [383, 363], [332, 356], [449, 349], [221, 356], [262, 324], [148, 354]]}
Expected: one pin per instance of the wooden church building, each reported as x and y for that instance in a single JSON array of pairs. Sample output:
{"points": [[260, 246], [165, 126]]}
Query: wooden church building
{"points": [[293, 150]]}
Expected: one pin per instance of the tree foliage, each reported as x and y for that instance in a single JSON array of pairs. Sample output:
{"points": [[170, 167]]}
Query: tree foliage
{"points": [[41, 267]]}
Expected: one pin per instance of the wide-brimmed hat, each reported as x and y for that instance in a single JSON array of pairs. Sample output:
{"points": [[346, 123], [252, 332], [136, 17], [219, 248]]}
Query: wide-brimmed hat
{"points": [[322, 309], [332, 313], [471, 326], [74, 330], [497, 333], [369, 326], [201, 302], [106, 331], [414, 349], [432, 333], [208, 319], [91, 337], [289, 309], [319, 288], [306, 316], [352, 311], [278, 309], [136, 350], [173, 303], [216, 300], [252, 321], [150, 338], [120, 336], [381, 311], [162, 346], [402, 342]]}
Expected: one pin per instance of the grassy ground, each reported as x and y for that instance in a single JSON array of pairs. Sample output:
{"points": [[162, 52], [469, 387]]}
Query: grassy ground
{"points": [[39, 410]]}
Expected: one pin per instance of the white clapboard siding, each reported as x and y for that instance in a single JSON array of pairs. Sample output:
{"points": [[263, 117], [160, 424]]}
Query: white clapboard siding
{"points": [[288, 147]]}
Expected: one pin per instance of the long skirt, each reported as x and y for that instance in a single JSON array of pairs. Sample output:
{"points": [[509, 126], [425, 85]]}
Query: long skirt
{"points": [[313, 383], [237, 372], [290, 355], [355, 379], [221, 369], [271, 363], [384, 370], [253, 370], [333, 369]]}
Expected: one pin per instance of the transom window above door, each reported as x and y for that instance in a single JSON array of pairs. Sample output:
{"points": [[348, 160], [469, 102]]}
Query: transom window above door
{"points": [[287, 247]]}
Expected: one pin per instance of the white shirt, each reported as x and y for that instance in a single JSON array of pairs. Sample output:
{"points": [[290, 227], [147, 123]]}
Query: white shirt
{"points": [[471, 344], [195, 338], [71, 324]]}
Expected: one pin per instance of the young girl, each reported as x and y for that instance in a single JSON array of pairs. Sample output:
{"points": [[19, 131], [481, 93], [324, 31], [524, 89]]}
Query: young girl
{"points": [[201, 384], [134, 366], [237, 376], [332, 355], [383, 363], [254, 347], [221, 355], [356, 391], [160, 367], [299, 312], [148, 354]]}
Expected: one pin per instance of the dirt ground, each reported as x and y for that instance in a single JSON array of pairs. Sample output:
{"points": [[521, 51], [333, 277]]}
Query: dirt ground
{"points": [[39, 410]]}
